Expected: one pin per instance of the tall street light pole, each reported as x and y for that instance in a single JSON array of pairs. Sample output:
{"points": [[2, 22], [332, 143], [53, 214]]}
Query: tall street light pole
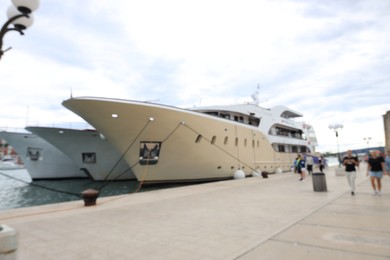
{"points": [[20, 16], [336, 128], [367, 139]]}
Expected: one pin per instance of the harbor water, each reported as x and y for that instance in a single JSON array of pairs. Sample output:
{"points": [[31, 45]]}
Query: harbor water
{"points": [[17, 190]]}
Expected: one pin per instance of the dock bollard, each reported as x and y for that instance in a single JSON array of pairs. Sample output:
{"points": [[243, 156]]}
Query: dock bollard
{"points": [[90, 196], [8, 242]]}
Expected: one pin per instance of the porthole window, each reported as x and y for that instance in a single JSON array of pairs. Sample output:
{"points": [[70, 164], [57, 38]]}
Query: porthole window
{"points": [[226, 140], [213, 139], [236, 141], [198, 139]]}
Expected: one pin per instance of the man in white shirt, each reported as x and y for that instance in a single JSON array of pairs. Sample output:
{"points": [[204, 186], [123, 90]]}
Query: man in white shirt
{"points": [[309, 164]]}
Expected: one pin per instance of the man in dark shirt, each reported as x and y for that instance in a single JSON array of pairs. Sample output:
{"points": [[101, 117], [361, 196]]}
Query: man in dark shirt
{"points": [[376, 165], [350, 162]]}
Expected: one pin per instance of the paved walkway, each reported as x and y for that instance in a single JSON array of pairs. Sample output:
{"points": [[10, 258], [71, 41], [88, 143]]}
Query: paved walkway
{"points": [[254, 218]]}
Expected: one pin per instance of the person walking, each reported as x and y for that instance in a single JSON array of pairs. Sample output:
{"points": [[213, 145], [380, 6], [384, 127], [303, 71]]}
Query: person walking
{"points": [[375, 168], [300, 167], [321, 162], [350, 162], [309, 163]]}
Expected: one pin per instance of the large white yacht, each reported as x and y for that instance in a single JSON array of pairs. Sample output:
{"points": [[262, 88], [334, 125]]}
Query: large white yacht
{"points": [[89, 149], [41, 159], [170, 144]]}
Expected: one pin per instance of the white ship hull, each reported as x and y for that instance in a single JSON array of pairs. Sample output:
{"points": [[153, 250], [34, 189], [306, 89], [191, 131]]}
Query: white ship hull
{"points": [[191, 146], [92, 153], [41, 159]]}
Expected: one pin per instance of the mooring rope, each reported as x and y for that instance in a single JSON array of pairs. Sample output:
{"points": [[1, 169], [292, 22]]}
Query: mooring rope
{"points": [[41, 186], [147, 165], [123, 155], [223, 150], [101, 186], [105, 183]]}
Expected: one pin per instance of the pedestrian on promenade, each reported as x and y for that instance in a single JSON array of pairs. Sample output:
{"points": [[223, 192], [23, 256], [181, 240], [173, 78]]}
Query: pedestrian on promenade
{"points": [[321, 162], [376, 166], [387, 163], [309, 163], [300, 166], [350, 162], [295, 165]]}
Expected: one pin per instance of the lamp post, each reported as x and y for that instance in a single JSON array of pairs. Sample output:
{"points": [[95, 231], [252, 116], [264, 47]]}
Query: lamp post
{"points": [[20, 16], [367, 139], [336, 128]]}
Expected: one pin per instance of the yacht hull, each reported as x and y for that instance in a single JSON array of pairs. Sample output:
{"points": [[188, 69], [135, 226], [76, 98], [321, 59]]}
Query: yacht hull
{"points": [[41, 159], [192, 146], [92, 153]]}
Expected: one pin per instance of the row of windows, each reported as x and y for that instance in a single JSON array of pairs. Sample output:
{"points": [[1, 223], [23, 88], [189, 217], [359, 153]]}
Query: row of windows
{"points": [[250, 120], [283, 148], [226, 141], [287, 132]]}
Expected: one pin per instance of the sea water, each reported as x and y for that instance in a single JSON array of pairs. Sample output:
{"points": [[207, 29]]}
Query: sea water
{"points": [[18, 190], [332, 161]]}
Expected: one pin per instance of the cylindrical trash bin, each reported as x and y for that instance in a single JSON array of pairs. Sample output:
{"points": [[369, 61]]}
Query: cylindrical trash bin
{"points": [[8, 242], [319, 181]]}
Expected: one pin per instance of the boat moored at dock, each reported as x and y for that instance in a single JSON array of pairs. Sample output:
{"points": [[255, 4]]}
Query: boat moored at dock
{"points": [[41, 159], [170, 144], [89, 150]]}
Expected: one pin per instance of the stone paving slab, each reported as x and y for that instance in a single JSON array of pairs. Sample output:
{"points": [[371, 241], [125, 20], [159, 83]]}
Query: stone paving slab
{"points": [[272, 250], [238, 219]]}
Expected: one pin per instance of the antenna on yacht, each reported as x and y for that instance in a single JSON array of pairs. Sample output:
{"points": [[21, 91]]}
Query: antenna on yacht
{"points": [[255, 96]]}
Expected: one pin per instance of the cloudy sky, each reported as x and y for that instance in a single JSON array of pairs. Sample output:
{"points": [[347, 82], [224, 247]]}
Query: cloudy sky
{"points": [[330, 60]]}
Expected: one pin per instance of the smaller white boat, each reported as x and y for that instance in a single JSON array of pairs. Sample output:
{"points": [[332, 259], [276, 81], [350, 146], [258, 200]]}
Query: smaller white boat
{"points": [[10, 163], [42, 160], [89, 150]]}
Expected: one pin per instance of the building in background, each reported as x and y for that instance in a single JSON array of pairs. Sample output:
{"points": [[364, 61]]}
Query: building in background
{"points": [[386, 124], [7, 150]]}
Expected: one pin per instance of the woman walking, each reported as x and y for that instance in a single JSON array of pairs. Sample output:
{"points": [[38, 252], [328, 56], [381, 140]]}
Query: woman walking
{"points": [[350, 162], [376, 166]]}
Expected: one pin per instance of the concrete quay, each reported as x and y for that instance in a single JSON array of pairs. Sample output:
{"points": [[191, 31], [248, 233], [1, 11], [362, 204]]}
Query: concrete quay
{"points": [[253, 218]]}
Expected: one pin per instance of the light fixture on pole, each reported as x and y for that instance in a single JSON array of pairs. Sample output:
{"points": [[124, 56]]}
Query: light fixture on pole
{"points": [[336, 128], [367, 139], [20, 16]]}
